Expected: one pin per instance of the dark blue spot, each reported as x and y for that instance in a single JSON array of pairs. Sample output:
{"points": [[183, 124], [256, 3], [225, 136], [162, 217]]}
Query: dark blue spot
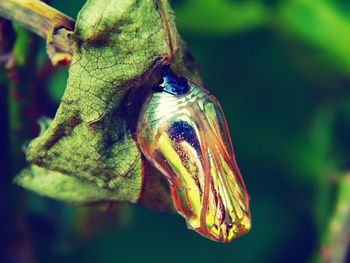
{"points": [[173, 84]]}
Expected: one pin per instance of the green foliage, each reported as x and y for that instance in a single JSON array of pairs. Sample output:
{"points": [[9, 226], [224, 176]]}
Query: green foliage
{"points": [[220, 16], [281, 73], [322, 24]]}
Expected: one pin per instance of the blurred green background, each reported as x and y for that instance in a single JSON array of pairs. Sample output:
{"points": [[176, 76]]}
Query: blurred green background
{"points": [[281, 70]]}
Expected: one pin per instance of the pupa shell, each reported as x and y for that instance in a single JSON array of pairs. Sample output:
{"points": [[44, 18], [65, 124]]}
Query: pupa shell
{"points": [[183, 132]]}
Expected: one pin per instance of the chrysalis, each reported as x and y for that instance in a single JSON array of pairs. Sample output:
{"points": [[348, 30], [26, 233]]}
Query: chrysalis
{"points": [[182, 131]]}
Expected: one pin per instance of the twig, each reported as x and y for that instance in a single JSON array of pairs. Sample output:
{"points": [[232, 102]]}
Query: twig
{"points": [[337, 238], [45, 21], [36, 16], [171, 46]]}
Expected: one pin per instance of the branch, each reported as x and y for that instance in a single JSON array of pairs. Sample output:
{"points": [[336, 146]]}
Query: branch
{"points": [[337, 239], [45, 21]]}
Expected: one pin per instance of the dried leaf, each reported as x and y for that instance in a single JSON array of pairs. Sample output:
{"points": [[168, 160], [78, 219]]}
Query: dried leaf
{"points": [[70, 189], [89, 146]]}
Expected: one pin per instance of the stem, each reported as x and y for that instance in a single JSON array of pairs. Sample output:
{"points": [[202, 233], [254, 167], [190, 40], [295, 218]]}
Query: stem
{"points": [[35, 15], [168, 31], [42, 19], [338, 236]]}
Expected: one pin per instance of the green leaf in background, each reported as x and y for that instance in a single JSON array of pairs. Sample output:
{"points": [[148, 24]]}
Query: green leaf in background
{"points": [[220, 16], [319, 23], [317, 162]]}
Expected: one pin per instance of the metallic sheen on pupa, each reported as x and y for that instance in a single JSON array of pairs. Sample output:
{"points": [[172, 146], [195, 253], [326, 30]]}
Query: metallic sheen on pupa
{"points": [[182, 131]]}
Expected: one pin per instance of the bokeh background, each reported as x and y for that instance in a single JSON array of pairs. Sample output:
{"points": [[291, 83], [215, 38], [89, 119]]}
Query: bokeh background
{"points": [[281, 70]]}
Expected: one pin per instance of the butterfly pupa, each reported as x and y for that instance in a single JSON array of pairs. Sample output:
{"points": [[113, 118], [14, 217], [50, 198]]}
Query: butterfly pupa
{"points": [[183, 132]]}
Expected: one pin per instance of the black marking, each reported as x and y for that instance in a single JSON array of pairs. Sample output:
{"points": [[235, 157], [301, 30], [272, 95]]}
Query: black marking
{"points": [[182, 131]]}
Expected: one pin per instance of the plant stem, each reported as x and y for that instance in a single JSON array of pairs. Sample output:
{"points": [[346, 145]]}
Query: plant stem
{"points": [[35, 15], [42, 19], [336, 242]]}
